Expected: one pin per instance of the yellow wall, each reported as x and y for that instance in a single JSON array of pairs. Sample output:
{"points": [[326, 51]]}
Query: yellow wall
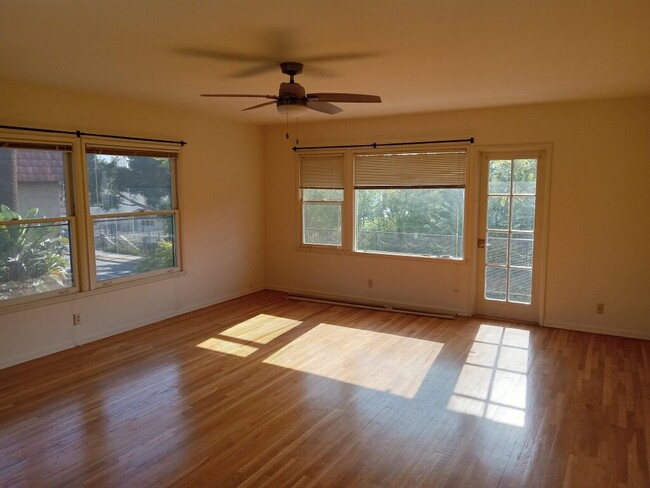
{"points": [[240, 226], [599, 224], [222, 218]]}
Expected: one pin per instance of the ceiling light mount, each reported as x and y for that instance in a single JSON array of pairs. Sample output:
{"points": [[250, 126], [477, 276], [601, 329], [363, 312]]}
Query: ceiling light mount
{"points": [[291, 68]]}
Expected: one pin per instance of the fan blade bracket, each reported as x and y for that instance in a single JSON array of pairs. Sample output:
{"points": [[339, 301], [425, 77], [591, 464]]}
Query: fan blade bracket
{"points": [[343, 97]]}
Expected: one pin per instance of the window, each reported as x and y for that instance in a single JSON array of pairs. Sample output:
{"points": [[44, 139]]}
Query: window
{"points": [[410, 203], [72, 223], [321, 184], [133, 211], [37, 223]]}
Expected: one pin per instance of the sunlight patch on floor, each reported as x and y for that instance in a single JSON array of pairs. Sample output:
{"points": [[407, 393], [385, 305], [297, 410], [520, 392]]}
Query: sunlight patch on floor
{"points": [[365, 358], [493, 382], [261, 329], [227, 347]]}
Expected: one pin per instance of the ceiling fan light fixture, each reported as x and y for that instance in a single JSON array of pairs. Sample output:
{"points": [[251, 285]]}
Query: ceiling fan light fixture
{"points": [[292, 109]]}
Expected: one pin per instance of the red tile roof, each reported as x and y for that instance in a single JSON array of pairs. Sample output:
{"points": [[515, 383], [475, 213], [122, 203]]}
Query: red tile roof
{"points": [[39, 166]]}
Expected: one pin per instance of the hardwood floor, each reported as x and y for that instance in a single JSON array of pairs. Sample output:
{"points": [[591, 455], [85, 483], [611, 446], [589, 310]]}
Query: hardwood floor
{"points": [[263, 391]]}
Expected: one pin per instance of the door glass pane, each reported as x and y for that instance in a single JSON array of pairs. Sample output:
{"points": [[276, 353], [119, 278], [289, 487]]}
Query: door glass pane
{"points": [[499, 176], [525, 176], [495, 283], [125, 246], [497, 248], [498, 216], [510, 222], [523, 213], [521, 252], [521, 284]]}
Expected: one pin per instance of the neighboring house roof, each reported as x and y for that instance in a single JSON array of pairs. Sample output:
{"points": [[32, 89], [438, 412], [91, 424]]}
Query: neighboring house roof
{"points": [[40, 166]]}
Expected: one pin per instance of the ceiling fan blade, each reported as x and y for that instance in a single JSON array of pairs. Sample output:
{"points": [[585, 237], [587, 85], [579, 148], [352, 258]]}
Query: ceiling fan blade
{"points": [[262, 63], [258, 69], [324, 107], [343, 97], [239, 95], [259, 105], [338, 57], [223, 55]]}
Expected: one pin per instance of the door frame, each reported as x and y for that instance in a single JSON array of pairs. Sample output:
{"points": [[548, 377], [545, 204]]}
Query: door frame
{"points": [[479, 152]]}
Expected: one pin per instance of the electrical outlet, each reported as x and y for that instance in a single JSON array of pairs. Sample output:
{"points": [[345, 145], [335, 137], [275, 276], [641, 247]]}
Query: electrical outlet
{"points": [[600, 308], [76, 319]]}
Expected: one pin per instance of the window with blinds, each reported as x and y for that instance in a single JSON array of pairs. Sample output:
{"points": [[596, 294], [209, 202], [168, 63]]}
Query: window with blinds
{"points": [[410, 203], [321, 184]]}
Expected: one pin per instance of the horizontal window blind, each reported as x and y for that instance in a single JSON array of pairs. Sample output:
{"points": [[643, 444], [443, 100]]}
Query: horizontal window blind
{"points": [[321, 171], [430, 169], [35, 147]]}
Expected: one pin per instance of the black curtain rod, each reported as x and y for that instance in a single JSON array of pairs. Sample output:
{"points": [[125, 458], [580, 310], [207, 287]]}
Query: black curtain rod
{"points": [[79, 133], [375, 145]]}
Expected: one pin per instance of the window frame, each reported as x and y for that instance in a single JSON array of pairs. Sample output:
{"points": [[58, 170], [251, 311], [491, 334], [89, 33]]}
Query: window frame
{"points": [[342, 204], [349, 204], [80, 220], [174, 211], [71, 217], [424, 148]]}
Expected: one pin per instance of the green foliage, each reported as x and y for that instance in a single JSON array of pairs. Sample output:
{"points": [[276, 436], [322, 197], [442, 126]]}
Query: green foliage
{"points": [[161, 257], [410, 221], [120, 180], [31, 255]]}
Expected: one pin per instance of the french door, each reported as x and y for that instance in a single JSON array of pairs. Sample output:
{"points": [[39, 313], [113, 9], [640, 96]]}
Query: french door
{"points": [[511, 218]]}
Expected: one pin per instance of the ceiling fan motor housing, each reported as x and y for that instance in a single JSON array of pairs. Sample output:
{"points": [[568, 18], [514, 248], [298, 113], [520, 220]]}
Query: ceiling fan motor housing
{"points": [[291, 91]]}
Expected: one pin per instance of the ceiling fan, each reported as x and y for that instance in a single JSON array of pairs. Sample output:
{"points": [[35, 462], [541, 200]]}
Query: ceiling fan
{"points": [[292, 99]]}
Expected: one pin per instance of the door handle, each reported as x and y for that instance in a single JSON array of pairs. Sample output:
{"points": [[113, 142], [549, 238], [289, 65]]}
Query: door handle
{"points": [[481, 244]]}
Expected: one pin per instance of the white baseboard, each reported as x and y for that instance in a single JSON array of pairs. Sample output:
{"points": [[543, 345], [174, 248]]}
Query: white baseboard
{"points": [[632, 334], [168, 315], [38, 354], [125, 328], [367, 301]]}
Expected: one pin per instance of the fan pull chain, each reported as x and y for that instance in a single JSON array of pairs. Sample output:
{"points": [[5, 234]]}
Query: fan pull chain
{"points": [[286, 136]]}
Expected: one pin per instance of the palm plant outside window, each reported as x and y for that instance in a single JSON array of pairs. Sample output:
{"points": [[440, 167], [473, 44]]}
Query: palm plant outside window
{"points": [[37, 224]]}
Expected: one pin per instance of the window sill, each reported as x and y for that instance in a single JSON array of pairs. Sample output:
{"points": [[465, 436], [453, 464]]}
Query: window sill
{"points": [[378, 255]]}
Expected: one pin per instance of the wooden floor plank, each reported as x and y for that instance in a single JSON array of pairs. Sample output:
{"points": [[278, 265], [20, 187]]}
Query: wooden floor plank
{"points": [[264, 391]]}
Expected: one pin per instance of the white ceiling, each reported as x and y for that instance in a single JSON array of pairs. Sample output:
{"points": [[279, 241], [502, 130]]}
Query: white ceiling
{"points": [[418, 55]]}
